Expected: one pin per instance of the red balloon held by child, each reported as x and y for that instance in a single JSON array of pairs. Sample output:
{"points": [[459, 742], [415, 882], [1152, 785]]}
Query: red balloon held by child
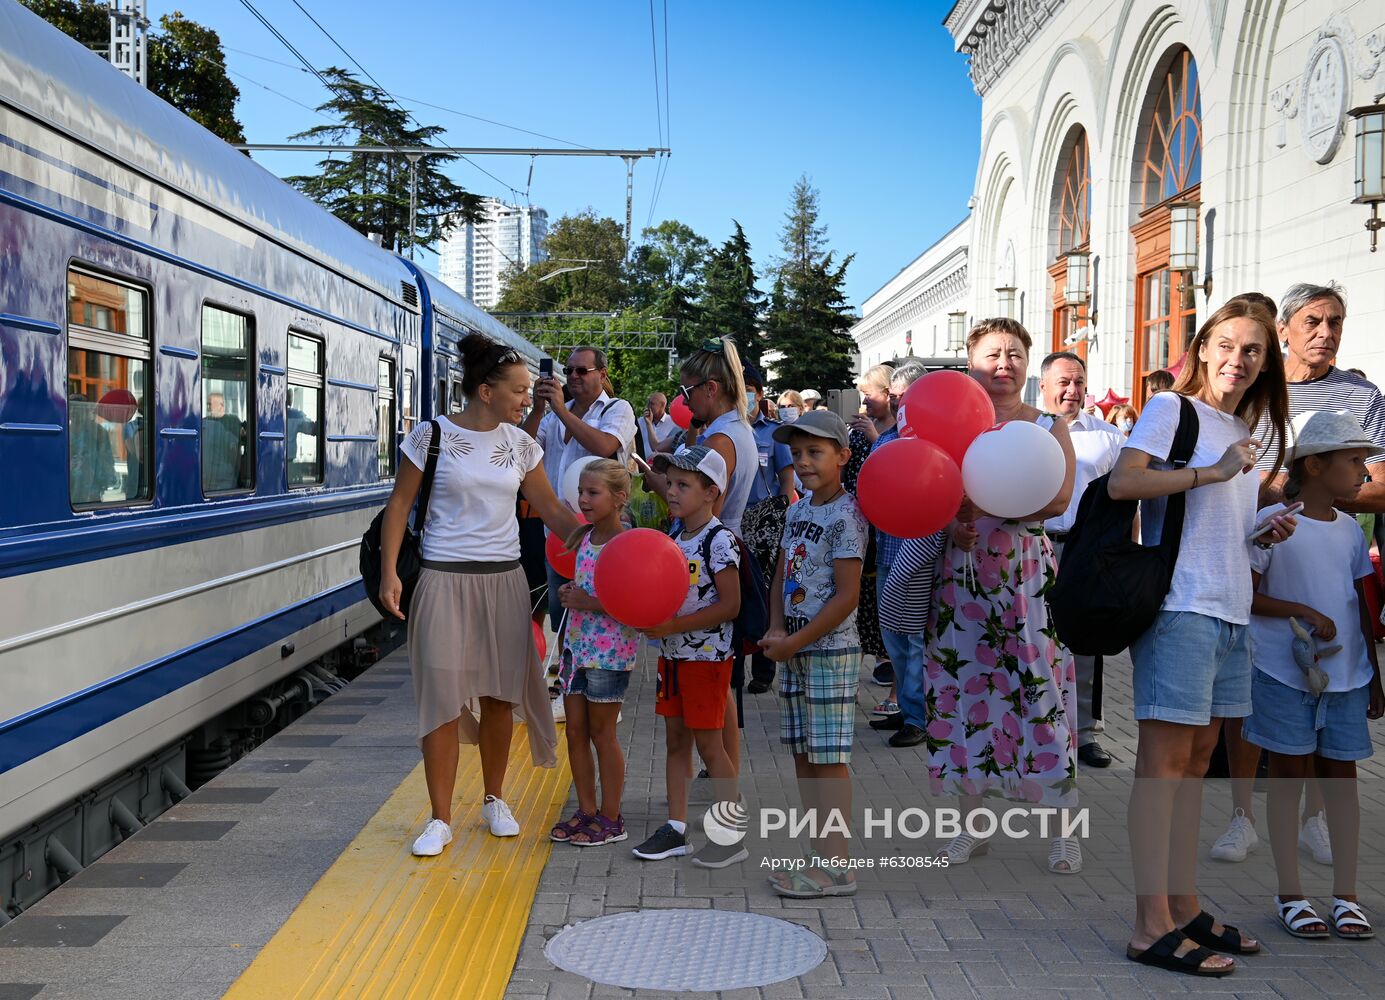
{"points": [[540, 641], [949, 409], [564, 563], [909, 488], [680, 412], [641, 577]]}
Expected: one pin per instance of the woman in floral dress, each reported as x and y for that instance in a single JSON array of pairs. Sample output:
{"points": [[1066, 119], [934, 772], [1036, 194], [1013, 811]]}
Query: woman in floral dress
{"points": [[1001, 690]]}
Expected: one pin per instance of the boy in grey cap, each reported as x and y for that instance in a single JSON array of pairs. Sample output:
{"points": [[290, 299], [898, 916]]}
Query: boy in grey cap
{"points": [[812, 629]]}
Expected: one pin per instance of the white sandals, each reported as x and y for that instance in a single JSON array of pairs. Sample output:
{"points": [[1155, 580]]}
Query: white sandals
{"points": [[1346, 913], [961, 848], [1065, 851], [1297, 914]]}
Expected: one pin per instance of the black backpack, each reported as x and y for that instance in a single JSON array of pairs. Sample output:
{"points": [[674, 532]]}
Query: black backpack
{"points": [[410, 561], [752, 621], [1110, 587]]}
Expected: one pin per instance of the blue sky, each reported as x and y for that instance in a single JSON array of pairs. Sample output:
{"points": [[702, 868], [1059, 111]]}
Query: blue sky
{"points": [[869, 100]]}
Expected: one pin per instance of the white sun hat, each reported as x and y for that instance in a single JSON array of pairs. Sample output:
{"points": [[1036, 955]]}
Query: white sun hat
{"points": [[1319, 431]]}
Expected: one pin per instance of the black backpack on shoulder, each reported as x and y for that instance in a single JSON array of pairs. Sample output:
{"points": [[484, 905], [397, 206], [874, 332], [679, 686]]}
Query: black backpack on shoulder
{"points": [[752, 621], [1110, 587], [410, 561]]}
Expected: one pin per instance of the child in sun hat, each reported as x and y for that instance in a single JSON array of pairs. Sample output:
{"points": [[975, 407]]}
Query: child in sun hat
{"points": [[1316, 679]]}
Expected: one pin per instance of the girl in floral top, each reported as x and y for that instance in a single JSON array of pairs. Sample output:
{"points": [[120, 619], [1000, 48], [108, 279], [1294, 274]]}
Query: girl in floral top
{"points": [[598, 656]]}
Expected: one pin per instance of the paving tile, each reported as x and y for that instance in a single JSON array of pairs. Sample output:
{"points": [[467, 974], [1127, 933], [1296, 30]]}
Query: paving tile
{"points": [[348, 700], [19, 991], [187, 830], [209, 794], [260, 765], [115, 875], [32, 930], [305, 739], [320, 718]]}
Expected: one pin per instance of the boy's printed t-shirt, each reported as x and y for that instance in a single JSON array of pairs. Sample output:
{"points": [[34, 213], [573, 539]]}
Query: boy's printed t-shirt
{"points": [[814, 538], [712, 644]]}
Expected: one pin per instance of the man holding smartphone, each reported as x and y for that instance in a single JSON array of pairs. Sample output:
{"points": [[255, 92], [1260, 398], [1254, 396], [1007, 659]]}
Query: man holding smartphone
{"points": [[592, 424]]}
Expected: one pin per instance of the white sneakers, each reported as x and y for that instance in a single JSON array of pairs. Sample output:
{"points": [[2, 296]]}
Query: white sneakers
{"points": [[435, 836], [1313, 839], [1239, 839], [497, 814], [559, 710]]}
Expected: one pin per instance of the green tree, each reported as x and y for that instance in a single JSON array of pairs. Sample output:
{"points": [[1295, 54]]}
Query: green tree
{"points": [[808, 319], [731, 303], [601, 286], [187, 67], [188, 70], [370, 192]]}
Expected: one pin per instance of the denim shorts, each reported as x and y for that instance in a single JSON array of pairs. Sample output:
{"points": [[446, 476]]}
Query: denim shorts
{"points": [[600, 686], [1289, 721], [1191, 669]]}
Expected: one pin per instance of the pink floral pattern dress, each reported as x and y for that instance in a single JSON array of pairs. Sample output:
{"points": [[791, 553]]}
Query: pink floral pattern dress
{"points": [[1001, 691], [592, 640]]}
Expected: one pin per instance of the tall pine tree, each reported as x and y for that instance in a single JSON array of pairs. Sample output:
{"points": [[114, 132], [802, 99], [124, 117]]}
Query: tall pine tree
{"points": [[808, 319], [731, 303], [370, 191]]}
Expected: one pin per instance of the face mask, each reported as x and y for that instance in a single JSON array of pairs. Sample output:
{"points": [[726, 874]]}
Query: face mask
{"points": [[1127, 426], [788, 414], [752, 403]]}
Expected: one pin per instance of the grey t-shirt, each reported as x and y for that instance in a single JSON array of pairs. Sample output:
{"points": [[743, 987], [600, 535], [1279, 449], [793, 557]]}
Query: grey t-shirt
{"points": [[815, 536]]}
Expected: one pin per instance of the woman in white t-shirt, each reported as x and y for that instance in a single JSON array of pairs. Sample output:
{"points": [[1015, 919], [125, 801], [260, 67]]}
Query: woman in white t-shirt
{"points": [[1192, 667], [469, 618]]}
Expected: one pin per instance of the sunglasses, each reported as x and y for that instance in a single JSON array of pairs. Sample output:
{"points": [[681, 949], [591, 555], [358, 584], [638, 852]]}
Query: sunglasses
{"points": [[686, 391], [571, 370]]}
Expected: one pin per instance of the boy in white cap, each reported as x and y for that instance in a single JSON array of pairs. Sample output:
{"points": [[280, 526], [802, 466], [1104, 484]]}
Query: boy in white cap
{"points": [[695, 668], [1316, 678]]}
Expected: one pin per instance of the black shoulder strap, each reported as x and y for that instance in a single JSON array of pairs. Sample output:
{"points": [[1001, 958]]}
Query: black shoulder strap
{"points": [[707, 544], [430, 470], [1180, 454]]}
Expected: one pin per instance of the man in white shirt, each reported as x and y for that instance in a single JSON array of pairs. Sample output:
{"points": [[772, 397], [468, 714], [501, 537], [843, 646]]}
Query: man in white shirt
{"points": [[1097, 445], [657, 424]]}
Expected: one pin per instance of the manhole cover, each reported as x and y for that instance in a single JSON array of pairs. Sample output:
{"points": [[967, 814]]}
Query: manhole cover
{"points": [[696, 950]]}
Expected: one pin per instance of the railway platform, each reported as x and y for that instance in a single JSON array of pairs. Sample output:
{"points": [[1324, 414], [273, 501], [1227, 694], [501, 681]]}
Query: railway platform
{"points": [[289, 876]]}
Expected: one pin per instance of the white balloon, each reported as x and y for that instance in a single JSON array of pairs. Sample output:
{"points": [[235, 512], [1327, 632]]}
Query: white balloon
{"points": [[1014, 470], [571, 480]]}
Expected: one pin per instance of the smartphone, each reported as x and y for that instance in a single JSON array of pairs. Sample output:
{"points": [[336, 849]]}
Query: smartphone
{"points": [[644, 466], [545, 368], [1089, 400], [1263, 528]]}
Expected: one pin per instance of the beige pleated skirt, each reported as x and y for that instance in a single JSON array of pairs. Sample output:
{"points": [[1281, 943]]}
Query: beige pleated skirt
{"points": [[470, 636]]}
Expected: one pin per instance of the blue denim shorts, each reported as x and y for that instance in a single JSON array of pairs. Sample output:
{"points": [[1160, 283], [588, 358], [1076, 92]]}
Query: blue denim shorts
{"points": [[1289, 721], [1191, 669], [601, 686]]}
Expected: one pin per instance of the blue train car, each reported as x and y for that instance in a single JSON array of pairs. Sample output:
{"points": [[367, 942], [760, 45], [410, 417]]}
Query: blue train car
{"points": [[204, 378]]}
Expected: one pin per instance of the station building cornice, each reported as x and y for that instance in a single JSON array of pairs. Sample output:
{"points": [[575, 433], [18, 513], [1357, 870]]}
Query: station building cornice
{"points": [[994, 32]]}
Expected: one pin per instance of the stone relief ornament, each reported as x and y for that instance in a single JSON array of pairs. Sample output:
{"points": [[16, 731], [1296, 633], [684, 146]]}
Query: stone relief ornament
{"points": [[1324, 98], [1285, 101]]}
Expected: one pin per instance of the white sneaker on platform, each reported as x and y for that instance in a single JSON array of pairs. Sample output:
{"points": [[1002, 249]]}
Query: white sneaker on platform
{"points": [[1313, 839], [559, 710], [1239, 839], [435, 836], [497, 814]]}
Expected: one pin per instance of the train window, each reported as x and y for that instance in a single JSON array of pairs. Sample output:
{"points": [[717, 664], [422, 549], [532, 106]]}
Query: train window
{"points": [[108, 365], [228, 401], [384, 419], [303, 419], [406, 400], [458, 402]]}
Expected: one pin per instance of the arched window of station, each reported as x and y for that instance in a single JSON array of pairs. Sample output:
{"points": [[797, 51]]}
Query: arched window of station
{"points": [[1168, 170], [1070, 230]]}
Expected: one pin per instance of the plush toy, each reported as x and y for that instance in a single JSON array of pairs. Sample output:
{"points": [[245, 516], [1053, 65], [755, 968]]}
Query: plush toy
{"points": [[1307, 655]]}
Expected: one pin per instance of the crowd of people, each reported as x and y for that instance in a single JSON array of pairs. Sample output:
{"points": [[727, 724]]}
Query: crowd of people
{"points": [[1264, 638]]}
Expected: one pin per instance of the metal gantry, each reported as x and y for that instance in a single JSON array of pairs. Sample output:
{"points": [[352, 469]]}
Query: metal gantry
{"points": [[560, 332]]}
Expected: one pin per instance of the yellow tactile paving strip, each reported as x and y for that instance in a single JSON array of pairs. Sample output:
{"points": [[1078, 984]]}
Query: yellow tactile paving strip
{"points": [[382, 923]]}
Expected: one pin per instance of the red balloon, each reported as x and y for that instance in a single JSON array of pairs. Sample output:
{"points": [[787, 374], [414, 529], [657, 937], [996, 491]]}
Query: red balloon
{"points": [[540, 642], [948, 408], [909, 488], [678, 410], [117, 406], [564, 563], [641, 577]]}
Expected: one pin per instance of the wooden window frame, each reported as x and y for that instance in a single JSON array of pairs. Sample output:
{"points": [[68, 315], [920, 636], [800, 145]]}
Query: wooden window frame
{"points": [[1176, 115]]}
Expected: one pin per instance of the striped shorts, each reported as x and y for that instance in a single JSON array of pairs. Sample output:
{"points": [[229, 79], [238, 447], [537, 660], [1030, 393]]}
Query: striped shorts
{"points": [[817, 704]]}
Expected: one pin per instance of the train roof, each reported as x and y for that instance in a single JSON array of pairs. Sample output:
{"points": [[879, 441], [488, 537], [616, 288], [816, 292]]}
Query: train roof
{"points": [[450, 304], [48, 75]]}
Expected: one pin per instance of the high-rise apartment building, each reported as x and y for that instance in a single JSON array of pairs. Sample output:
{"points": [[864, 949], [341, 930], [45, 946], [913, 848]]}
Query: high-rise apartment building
{"points": [[475, 256]]}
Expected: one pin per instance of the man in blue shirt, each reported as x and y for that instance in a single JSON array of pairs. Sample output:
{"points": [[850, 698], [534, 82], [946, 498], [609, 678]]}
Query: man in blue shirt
{"points": [[771, 492]]}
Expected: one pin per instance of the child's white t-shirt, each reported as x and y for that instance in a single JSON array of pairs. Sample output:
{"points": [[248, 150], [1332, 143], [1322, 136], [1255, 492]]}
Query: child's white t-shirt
{"points": [[709, 644], [1318, 566]]}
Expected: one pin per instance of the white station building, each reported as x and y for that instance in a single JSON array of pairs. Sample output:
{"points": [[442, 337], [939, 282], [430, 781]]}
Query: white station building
{"points": [[1142, 161]]}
